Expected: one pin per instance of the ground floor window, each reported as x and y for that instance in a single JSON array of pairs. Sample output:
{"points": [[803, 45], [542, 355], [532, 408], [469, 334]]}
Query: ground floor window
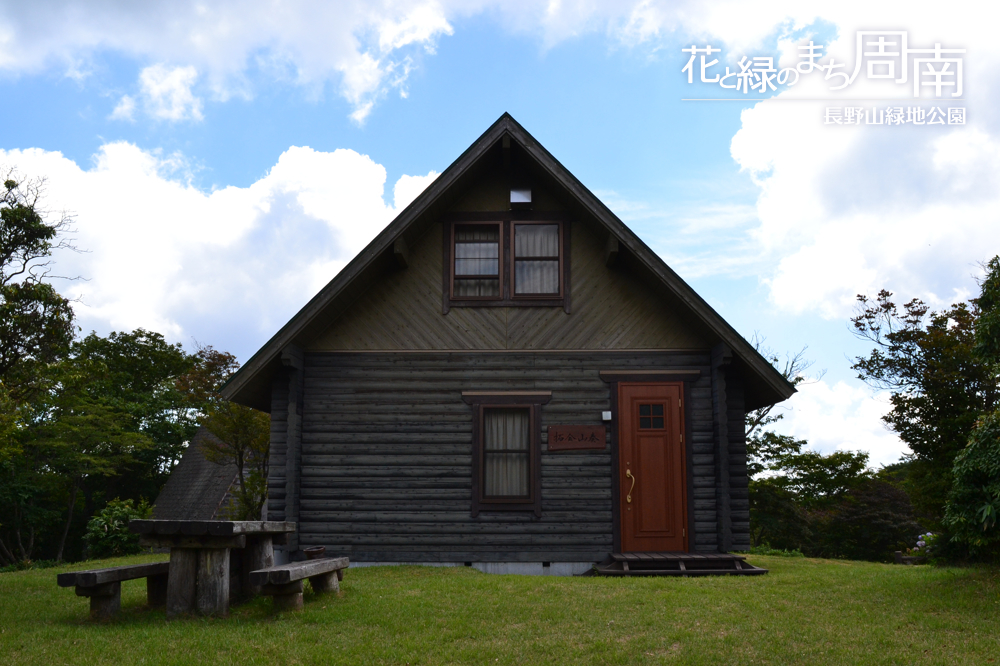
{"points": [[506, 450]]}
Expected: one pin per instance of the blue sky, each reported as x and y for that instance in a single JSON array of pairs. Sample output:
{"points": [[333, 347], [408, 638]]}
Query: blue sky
{"points": [[223, 163]]}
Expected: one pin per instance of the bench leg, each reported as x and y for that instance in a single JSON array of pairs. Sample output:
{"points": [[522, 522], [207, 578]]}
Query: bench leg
{"points": [[286, 597], [325, 582], [181, 581], [156, 590], [340, 574], [105, 600]]}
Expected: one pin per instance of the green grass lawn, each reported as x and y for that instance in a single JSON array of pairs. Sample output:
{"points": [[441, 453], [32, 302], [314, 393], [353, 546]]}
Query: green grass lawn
{"points": [[803, 612]]}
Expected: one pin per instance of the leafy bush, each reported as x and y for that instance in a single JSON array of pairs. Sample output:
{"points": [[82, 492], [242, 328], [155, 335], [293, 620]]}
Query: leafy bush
{"points": [[974, 502], [107, 532]]}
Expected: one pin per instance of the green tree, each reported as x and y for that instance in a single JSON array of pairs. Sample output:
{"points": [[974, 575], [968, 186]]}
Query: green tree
{"points": [[29, 495], [973, 507], [764, 446], [36, 323], [938, 386], [784, 505], [108, 421], [974, 501], [137, 374], [85, 438], [823, 505], [869, 521], [244, 434], [244, 439], [36, 328], [776, 517], [817, 480]]}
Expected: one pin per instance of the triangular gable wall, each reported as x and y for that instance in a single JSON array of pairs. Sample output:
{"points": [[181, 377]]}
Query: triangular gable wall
{"points": [[314, 326]]}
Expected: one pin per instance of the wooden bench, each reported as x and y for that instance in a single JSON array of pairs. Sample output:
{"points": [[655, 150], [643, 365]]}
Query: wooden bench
{"points": [[104, 586], [284, 582]]}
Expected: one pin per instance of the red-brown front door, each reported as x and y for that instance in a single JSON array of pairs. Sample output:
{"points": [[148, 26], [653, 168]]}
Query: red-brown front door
{"points": [[653, 498]]}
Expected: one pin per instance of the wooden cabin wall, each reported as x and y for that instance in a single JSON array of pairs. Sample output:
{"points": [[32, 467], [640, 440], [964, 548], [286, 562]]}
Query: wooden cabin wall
{"points": [[611, 310], [382, 468], [387, 453], [284, 464], [739, 501], [279, 446]]}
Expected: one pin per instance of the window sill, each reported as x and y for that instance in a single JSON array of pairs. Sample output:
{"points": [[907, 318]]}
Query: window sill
{"points": [[519, 303]]}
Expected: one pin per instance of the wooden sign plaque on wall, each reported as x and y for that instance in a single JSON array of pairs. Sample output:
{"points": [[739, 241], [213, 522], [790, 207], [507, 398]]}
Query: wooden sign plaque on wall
{"points": [[576, 437]]}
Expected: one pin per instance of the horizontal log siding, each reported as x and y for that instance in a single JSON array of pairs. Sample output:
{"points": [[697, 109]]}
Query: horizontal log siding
{"points": [[701, 442], [387, 456], [276, 479], [738, 481]]}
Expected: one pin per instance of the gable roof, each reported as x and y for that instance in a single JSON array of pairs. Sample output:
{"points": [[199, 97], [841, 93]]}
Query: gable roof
{"points": [[251, 385], [197, 487]]}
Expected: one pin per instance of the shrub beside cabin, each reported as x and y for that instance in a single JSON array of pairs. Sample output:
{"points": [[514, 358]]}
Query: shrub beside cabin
{"points": [[507, 376]]}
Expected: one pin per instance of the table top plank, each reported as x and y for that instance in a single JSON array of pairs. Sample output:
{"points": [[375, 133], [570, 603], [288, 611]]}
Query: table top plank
{"points": [[222, 528]]}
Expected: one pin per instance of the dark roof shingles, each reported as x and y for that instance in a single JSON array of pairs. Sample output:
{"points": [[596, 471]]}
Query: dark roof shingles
{"points": [[196, 487]]}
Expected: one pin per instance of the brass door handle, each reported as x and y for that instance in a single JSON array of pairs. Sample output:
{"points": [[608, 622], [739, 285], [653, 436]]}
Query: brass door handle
{"points": [[628, 475]]}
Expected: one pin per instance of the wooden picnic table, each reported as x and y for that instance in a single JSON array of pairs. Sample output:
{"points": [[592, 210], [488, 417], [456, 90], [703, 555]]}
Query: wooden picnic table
{"points": [[202, 554]]}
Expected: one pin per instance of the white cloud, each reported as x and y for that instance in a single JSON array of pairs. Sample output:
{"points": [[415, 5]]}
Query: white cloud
{"points": [[166, 93], [233, 264], [849, 210], [407, 188], [841, 417], [124, 110], [360, 44]]}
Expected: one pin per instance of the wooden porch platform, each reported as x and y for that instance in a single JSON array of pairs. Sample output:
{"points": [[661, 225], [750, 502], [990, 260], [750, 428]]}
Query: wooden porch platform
{"points": [[677, 564]]}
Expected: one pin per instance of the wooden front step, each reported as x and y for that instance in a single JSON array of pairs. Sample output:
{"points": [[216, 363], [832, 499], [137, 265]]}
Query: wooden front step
{"points": [[677, 564]]}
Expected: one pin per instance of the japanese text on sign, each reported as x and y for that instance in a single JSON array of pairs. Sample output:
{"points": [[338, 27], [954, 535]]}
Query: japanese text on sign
{"points": [[893, 115]]}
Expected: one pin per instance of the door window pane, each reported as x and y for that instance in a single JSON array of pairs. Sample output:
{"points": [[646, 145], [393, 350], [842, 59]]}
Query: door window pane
{"points": [[651, 416]]}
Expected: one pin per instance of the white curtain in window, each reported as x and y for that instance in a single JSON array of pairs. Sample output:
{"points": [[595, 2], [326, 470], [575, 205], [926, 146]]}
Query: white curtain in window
{"points": [[475, 288], [477, 259], [536, 240], [506, 451], [536, 258], [536, 277], [477, 250]]}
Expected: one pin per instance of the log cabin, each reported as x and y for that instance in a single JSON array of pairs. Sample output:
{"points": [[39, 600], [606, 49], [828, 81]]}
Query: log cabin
{"points": [[507, 377]]}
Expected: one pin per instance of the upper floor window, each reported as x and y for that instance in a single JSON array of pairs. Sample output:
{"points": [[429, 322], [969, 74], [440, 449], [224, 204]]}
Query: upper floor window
{"points": [[536, 259], [477, 261], [506, 262]]}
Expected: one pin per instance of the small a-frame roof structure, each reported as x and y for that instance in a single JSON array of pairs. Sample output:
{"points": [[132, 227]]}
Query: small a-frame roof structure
{"points": [[251, 385], [197, 487]]}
